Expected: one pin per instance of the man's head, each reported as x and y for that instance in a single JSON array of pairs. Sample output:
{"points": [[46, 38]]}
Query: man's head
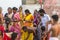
{"points": [[0, 9], [9, 10], [55, 18], [41, 12], [14, 9]]}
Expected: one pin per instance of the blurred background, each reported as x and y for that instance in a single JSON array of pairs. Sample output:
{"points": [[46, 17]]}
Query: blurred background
{"points": [[9, 3]]}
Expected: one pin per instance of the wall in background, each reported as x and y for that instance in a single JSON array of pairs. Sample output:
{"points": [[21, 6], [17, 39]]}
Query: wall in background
{"points": [[9, 3], [31, 7]]}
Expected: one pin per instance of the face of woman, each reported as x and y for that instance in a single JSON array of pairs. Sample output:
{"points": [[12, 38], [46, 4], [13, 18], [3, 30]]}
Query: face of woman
{"points": [[27, 13], [14, 23], [9, 10], [20, 9], [14, 11]]}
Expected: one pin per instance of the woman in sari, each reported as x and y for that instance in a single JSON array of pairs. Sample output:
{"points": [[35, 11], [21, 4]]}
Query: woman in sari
{"points": [[28, 22], [35, 17], [16, 28], [21, 16]]}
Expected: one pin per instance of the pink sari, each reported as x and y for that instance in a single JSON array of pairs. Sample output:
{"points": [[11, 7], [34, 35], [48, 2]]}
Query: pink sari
{"points": [[17, 16], [16, 29]]}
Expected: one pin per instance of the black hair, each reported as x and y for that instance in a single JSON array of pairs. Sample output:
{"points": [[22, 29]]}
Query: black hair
{"points": [[43, 28], [14, 8], [55, 17], [41, 11], [24, 28], [27, 11], [13, 36]]}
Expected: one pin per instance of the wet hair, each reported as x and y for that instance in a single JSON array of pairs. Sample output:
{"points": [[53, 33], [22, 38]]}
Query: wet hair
{"points": [[9, 8], [13, 36], [43, 28], [27, 11], [1, 33], [14, 8], [41, 11], [55, 17]]}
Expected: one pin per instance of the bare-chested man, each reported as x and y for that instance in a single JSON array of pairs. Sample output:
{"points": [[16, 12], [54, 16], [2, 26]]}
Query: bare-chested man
{"points": [[55, 29]]}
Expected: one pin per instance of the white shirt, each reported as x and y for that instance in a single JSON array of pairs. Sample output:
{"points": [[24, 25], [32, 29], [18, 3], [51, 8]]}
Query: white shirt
{"points": [[45, 19]]}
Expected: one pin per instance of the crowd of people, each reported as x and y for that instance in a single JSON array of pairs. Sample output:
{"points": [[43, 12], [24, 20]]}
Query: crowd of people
{"points": [[20, 26]]}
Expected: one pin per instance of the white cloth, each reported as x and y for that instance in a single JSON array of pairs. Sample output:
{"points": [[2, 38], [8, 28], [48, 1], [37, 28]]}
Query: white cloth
{"points": [[53, 38], [10, 15], [45, 19], [59, 36]]}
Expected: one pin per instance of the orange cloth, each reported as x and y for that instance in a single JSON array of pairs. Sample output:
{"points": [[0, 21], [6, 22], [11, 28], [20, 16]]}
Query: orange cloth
{"points": [[28, 20]]}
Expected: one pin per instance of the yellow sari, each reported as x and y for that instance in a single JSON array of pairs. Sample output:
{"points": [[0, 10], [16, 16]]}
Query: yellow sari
{"points": [[21, 17], [28, 24]]}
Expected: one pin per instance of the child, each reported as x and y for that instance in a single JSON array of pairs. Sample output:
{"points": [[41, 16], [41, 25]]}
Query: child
{"points": [[43, 34], [14, 36]]}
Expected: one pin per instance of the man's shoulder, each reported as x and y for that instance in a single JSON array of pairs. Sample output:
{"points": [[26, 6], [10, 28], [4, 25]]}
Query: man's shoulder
{"points": [[55, 26], [47, 16]]}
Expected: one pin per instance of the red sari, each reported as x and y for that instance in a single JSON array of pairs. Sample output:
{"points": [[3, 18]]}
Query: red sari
{"points": [[6, 37], [2, 28]]}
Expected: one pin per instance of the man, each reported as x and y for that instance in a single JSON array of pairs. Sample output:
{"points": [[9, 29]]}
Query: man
{"points": [[8, 17], [55, 29], [44, 19]]}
